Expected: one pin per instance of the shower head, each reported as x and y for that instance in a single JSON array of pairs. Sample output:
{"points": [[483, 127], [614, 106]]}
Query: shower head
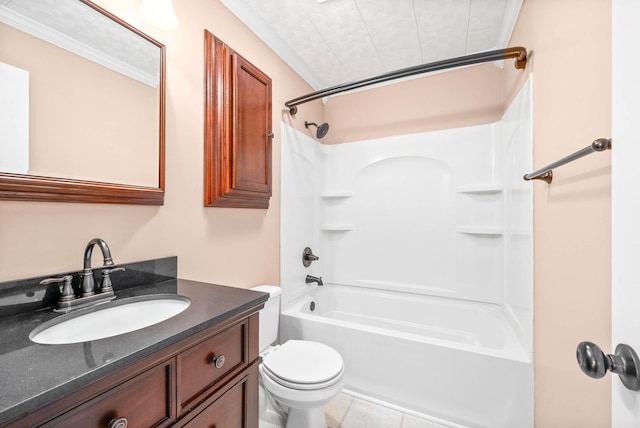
{"points": [[321, 130]]}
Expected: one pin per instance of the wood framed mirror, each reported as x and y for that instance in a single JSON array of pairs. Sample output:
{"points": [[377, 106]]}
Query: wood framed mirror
{"points": [[86, 107]]}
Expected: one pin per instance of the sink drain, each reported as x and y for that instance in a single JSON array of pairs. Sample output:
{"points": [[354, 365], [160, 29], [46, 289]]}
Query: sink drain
{"points": [[312, 306]]}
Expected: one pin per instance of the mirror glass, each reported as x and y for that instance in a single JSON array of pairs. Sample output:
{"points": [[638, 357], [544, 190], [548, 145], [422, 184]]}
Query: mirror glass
{"points": [[82, 104]]}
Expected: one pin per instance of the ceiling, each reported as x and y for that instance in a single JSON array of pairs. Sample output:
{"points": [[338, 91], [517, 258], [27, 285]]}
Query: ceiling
{"points": [[329, 42]]}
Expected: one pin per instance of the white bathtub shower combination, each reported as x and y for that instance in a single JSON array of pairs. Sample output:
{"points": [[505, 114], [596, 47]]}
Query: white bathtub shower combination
{"points": [[425, 248]]}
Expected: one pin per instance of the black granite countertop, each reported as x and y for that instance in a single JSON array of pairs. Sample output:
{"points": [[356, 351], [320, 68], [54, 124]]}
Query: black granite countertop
{"points": [[32, 374]]}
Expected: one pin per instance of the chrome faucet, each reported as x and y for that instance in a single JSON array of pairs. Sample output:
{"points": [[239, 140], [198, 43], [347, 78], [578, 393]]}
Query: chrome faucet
{"points": [[88, 284], [68, 300], [311, 279]]}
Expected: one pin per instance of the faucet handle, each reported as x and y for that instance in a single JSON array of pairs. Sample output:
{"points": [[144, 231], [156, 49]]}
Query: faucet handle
{"points": [[110, 271], [105, 285], [66, 289], [308, 257]]}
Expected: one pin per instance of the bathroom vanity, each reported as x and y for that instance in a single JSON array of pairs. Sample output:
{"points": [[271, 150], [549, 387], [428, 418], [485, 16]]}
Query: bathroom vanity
{"points": [[198, 368]]}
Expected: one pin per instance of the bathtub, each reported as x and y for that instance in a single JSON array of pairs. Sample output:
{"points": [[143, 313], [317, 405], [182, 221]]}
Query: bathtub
{"points": [[453, 361]]}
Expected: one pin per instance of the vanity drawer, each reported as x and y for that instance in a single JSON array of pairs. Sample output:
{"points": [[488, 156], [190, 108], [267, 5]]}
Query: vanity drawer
{"points": [[233, 406], [226, 412], [145, 401], [208, 362]]}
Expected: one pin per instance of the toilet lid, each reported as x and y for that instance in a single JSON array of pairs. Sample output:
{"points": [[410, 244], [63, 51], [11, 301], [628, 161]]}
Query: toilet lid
{"points": [[304, 362]]}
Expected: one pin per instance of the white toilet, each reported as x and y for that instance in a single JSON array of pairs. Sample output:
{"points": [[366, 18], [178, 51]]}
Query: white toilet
{"points": [[298, 377]]}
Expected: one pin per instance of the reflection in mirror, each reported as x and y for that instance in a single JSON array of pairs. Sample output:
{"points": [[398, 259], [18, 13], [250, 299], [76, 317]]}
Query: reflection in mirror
{"points": [[84, 111]]}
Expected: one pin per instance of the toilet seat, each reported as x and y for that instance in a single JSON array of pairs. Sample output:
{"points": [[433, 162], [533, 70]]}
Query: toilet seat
{"points": [[304, 365]]}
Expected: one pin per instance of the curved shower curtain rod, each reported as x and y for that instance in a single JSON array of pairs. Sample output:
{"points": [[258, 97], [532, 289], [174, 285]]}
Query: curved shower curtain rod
{"points": [[519, 53]]}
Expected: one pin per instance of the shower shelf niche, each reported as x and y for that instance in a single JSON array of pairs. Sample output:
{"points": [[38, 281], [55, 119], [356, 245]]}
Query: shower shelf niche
{"points": [[336, 211], [489, 231], [336, 195], [480, 210], [337, 227], [488, 189]]}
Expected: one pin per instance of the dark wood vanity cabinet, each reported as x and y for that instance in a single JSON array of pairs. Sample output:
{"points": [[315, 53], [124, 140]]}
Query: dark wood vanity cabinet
{"points": [[209, 379], [237, 129]]}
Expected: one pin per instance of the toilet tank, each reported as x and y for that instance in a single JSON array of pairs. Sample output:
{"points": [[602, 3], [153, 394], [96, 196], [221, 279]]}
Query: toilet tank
{"points": [[269, 316]]}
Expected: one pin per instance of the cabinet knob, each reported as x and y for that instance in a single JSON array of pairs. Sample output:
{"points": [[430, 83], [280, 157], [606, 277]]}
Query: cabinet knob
{"points": [[218, 361], [271, 135], [118, 423]]}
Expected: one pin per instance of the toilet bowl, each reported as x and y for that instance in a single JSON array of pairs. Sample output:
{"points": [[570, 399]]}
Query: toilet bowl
{"points": [[298, 377]]}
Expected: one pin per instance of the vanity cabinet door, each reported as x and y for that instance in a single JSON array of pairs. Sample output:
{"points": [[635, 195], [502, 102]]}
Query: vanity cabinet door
{"points": [[144, 401], [209, 362]]}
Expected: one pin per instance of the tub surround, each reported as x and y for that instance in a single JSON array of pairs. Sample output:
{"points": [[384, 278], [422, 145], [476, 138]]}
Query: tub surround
{"points": [[441, 213], [411, 230], [33, 375]]}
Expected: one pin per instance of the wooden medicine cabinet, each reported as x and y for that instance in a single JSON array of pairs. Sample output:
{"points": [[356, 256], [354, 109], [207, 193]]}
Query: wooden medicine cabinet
{"points": [[237, 137]]}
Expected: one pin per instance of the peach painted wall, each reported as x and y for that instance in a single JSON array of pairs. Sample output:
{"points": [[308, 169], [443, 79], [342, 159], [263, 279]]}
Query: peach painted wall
{"points": [[238, 247], [463, 97], [571, 65]]}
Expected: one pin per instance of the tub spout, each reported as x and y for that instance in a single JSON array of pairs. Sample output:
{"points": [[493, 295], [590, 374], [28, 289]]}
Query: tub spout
{"points": [[311, 279]]}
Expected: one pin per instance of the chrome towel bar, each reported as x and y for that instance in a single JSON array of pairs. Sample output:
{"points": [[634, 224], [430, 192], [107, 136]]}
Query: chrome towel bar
{"points": [[546, 173]]}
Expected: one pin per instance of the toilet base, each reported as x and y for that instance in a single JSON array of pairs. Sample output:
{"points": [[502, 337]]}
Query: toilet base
{"points": [[271, 415], [308, 418]]}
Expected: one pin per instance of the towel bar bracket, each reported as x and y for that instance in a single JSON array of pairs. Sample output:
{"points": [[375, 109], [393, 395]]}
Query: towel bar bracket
{"points": [[547, 177]]}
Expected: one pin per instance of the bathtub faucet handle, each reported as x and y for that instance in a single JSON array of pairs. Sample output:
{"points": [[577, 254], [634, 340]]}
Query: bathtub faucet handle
{"points": [[308, 257], [311, 279]]}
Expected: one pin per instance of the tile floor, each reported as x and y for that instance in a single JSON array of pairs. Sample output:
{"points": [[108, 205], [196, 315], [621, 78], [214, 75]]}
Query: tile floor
{"points": [[346, 411]]}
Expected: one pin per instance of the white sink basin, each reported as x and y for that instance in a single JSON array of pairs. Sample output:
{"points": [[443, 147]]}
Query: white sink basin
{"points": [[117, 317]]}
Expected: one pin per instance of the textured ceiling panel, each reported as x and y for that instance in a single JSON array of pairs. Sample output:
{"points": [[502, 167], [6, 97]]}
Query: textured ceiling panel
{"points": [[394, 31], [485, 22], [329, 42], [443, 26], [293, 25], [342, 28]]}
